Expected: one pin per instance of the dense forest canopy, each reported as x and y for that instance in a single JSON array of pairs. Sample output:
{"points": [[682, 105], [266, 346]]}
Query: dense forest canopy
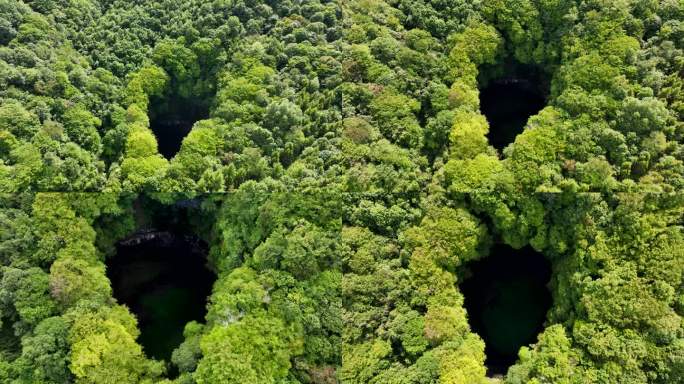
{"points": [[336, 157]]}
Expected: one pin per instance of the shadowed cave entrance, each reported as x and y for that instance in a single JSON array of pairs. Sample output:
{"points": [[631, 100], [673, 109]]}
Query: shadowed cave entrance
{"points": [[162, 277], [172, 118], [509, 101], [507, 300]]}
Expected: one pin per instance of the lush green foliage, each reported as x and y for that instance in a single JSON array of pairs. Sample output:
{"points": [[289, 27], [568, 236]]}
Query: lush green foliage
{"points": [[346, 180]]}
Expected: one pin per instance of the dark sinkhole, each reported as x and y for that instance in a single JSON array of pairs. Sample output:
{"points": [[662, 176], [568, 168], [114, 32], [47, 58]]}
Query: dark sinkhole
{"points": [[507, 299], [172, 118], [162, 277], [507, 104]]}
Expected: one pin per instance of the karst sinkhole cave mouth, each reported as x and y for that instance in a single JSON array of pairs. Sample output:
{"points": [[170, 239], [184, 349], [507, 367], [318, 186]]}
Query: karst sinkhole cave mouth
{"points": [[508, 102], [507, 299], [172, 118], [161, 275]]}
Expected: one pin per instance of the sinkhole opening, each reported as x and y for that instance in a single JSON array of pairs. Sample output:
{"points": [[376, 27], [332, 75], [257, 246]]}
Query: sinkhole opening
{"points": [[509, 101], [172, 117], [507, 299], [160, 273]]}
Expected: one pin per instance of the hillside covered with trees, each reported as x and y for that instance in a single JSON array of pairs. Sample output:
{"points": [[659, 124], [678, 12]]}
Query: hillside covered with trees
{"points": [[339, 171]]}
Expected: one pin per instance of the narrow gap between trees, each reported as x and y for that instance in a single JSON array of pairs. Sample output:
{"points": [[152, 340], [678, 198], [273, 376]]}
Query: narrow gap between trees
{"points": [[10, 344], [507, 298]]}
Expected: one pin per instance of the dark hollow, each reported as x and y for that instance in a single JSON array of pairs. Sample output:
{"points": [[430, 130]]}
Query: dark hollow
{"points": [[172, 118], [10, 344], [507, 300], [162, 278], [508, 104]]}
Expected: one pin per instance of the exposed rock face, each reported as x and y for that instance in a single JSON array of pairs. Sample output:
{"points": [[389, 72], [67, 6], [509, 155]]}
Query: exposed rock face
{"points": [[161, 239]]}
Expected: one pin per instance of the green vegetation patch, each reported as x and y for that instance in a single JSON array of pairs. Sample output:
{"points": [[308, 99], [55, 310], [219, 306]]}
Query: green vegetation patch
{"points": [[349, 177]]}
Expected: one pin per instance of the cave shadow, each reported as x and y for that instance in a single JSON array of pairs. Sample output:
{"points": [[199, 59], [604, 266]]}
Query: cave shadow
{"points": [[509, 96], [172, 118], [507, 299], [160, 273]]}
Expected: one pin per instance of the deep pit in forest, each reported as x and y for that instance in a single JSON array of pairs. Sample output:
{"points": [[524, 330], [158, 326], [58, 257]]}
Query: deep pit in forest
{"points": [[508, 103], [507, 299], [172, 118], [161, 276]]}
